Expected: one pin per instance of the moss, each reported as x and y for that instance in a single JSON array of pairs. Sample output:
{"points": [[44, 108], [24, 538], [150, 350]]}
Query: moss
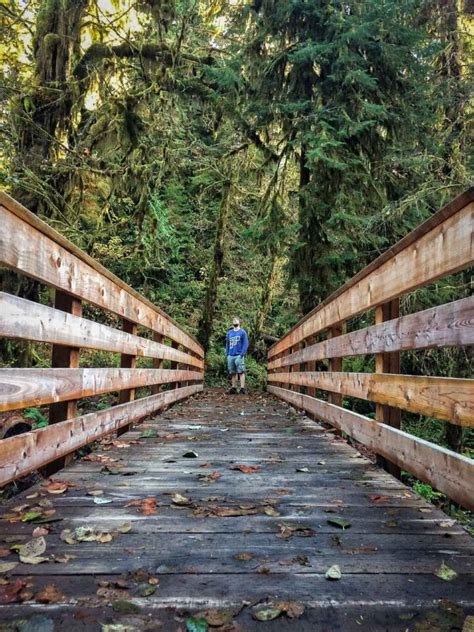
{"points": [[50, 41]]}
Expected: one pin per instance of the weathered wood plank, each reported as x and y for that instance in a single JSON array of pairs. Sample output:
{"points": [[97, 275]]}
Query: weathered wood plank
{"points": [[444, 249], [27, 320], [20, 388], [451, 324], [450, 473], [58, 263], [25, 453], [441, 397]]}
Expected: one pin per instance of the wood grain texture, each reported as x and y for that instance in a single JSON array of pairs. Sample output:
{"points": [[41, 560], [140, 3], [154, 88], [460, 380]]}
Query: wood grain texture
{"points": [[27, 320], [65, 267], [387, 557], [446, 398], [443, 250], [28, 452], [451, 324], [443, 469], [20, 388]]}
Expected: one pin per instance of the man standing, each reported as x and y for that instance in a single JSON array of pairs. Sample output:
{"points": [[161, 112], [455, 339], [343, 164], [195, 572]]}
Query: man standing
{"points": [[236, 345]]}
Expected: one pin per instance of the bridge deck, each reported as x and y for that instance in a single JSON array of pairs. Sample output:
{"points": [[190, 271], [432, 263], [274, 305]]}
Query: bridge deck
{"points": [[278, 549]]}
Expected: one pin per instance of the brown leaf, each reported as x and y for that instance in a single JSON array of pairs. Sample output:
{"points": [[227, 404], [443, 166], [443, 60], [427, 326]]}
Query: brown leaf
{"points": [[243, 557], [292, 609], [287, 531], [50, 594], [56, 487], [245, 469], [10, 593], [39, 531], [376, 498]]}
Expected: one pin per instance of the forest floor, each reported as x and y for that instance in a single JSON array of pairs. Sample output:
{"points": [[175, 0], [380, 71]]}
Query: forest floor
{"points": [[223, 512]]}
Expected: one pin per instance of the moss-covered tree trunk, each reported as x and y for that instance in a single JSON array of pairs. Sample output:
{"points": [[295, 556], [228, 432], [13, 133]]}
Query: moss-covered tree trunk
{"points": [[217, 267], [43, 115]]}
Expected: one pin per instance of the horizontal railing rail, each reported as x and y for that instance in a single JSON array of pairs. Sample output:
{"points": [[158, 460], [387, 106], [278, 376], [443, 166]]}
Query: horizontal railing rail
{"points": [[441, 246], [31, 248]]}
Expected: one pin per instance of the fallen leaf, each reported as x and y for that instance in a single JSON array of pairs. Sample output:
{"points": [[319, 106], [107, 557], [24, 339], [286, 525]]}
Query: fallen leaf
{"points": [[31, 515], [271, 511], [149, 433], [445, 572], [292, 609], [243, 557], [95, 492], [287, 531], [6, 567], [56, 487], [126, 527], [333, 572], [64, 559], [146, 590], [217, 618], [10, 592], [245, 469], [266, 614], [468, 625], [125, 607], [50, 594], [376, 498], [99, 500], [39, 531], [339, 522], [302, 469], [178, 499], [33, 548]]}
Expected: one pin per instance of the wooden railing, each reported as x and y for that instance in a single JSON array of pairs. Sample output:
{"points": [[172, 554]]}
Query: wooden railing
{"points": [[30, 247], [441, 246]]}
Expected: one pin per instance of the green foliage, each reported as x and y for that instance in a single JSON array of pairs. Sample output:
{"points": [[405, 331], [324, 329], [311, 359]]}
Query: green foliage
{"points": [[427, 491], [37, 417], [217, 375]]}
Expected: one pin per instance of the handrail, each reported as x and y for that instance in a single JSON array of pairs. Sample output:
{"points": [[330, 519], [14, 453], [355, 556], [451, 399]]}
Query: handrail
{"points": [[31, 248], [439, 247]]}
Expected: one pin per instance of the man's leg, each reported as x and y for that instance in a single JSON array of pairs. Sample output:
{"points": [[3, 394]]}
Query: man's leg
{"points": [[242, 380], [234, 380]]}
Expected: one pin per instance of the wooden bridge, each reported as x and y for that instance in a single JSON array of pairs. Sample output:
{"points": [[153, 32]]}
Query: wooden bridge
{"points": [[233, 514]]}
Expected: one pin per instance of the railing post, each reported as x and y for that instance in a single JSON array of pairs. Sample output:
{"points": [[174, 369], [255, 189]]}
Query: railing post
{"points": [[127, 362], [174, 365], [388, 363], [311, 367], [335, 364], [63, 357], [157, 363]]}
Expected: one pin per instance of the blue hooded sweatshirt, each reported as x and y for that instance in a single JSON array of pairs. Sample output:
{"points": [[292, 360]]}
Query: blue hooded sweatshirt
{"points": [[236, 342]]}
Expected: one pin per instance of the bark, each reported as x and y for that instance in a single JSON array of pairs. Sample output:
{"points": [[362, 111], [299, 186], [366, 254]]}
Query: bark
{"points": [[267, 299], [217, 267]]}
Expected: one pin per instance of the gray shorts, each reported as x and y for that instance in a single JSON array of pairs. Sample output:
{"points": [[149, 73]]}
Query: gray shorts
{"points": [[235, 364]]}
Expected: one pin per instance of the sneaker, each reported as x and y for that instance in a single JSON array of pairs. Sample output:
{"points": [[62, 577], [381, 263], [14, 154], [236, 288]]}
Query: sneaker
{"points": [[242, 391], [232, 391]]}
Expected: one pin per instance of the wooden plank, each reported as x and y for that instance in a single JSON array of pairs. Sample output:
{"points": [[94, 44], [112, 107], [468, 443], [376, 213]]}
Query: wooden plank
{"points": [[20, 388], [440, 397], [389, 363], [27, 320], [27, 452], [58, 263], [415, 261], [450, 473], [448, 325]]}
